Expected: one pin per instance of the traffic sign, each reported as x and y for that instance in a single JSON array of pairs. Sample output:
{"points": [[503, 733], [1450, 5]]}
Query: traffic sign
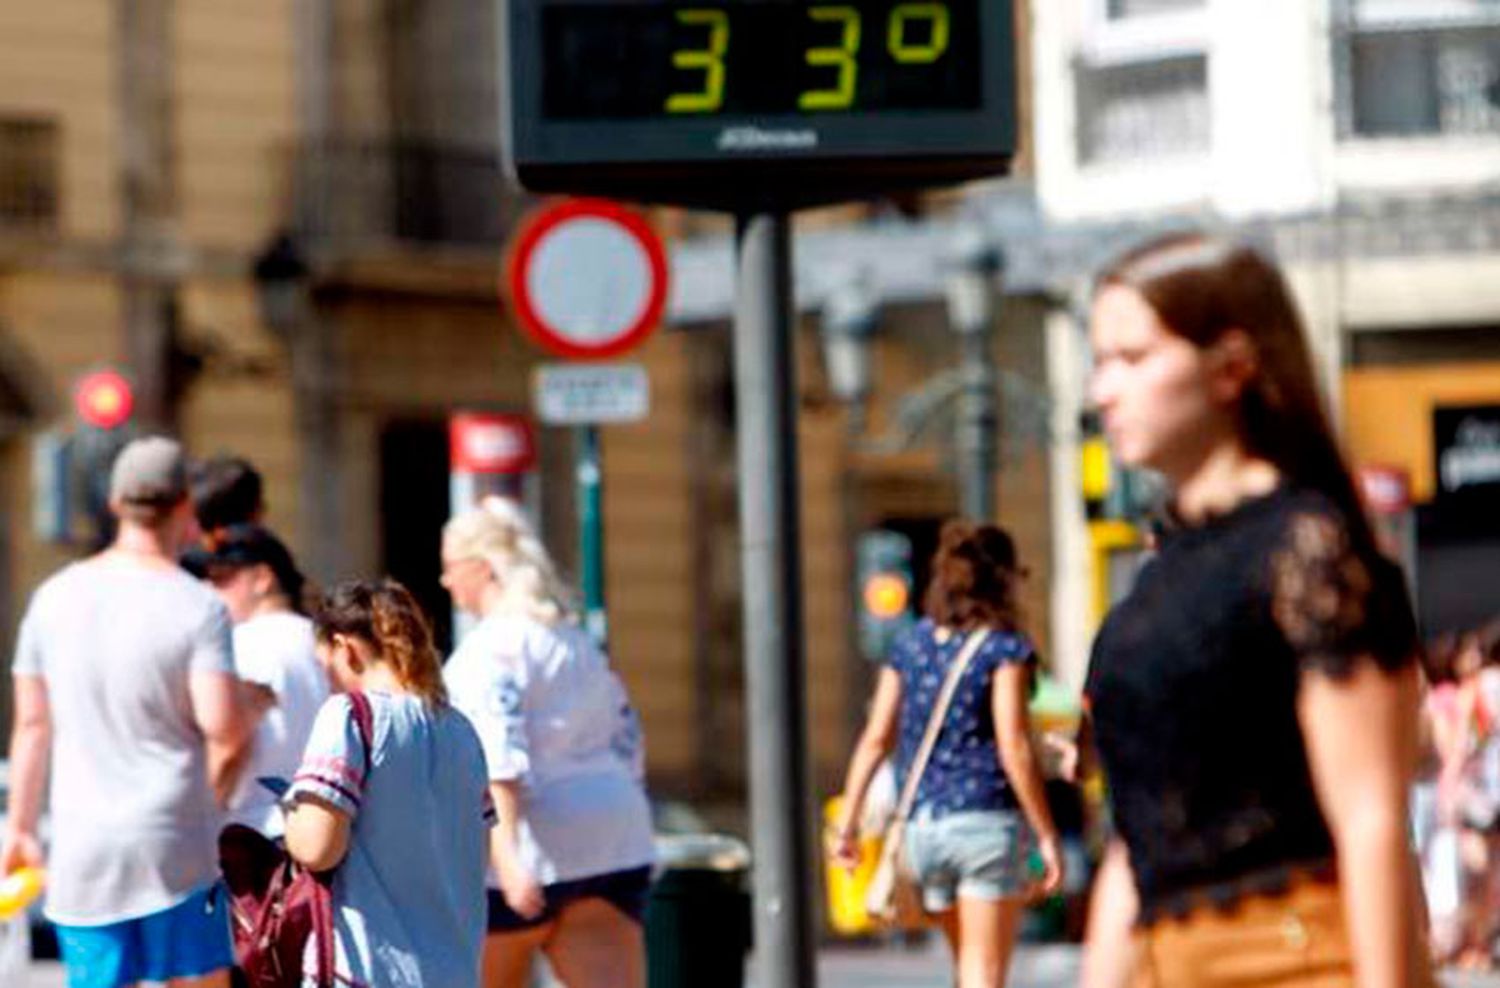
{"points": [[588, 279], [736, 104], [573, 394], [481, 443]]}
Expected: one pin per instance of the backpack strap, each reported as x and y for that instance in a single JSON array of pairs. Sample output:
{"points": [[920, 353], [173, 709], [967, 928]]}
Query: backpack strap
{"points": [[364, 722]]}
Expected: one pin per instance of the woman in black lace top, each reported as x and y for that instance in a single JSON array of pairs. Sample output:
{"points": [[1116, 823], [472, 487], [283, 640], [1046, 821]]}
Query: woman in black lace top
{"points": [[1253, 698]]}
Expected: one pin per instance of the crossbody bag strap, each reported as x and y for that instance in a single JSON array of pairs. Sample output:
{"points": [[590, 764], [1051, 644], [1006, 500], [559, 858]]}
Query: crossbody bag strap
{"points": [[364, 722], [935, 721]]}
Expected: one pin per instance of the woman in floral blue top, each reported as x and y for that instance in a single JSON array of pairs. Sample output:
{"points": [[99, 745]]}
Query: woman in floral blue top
{"points": [[980, 804]]}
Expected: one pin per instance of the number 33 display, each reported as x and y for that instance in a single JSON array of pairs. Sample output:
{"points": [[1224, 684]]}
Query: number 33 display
{"points": [[699, 60]]}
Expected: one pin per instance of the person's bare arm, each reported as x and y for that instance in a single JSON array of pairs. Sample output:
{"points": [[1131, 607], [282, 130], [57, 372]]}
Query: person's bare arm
{"points": [[1110, 951], [1360, 733], [227, 721], [1009, 689], [30, 747], [258, 699], [519, 886], [317, 833], [874, 744]]}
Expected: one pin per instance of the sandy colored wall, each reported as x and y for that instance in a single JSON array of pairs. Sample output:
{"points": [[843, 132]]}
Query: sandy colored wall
{"points": [[236, 115], [57, 61]]}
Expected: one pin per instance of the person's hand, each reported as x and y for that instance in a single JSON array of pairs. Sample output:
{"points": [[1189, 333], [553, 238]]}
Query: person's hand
{"points": [[1063, 751], [843, 846], [20, 850], [522, 892], [1050, 849]]}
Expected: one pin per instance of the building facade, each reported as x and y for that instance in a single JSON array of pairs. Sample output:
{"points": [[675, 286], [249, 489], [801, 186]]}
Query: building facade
{"points": [[156, 156]]}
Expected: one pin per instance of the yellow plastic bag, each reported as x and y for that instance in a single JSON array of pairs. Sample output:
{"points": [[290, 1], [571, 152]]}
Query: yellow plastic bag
{"points": [[846, 889]]}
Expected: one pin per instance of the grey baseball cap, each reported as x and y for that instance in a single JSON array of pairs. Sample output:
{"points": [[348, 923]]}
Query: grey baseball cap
{"points": [[152, 470]]}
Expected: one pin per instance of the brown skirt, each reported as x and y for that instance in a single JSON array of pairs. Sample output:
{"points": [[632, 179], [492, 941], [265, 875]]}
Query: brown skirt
{"points": [[1293, 940]]}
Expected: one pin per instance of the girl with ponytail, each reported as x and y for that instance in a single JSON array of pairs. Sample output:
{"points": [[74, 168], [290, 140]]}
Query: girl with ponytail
{"points": [[1253, 699], [404, 813], [571, 857]]}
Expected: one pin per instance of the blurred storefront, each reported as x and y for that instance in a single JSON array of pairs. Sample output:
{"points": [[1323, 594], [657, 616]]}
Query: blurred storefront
{"points": [[1436, 421]]}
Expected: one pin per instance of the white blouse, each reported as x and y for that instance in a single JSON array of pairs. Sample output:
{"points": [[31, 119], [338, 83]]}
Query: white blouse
{"points": [[554, 717]]}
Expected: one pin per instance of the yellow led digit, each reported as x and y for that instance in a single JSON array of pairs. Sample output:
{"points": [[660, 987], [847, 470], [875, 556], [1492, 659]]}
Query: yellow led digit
{"points": [[936, 14], [841, 97], [710, 61]]}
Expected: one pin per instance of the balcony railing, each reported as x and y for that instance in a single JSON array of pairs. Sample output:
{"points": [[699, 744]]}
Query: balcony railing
{"points": [[358, 195]]}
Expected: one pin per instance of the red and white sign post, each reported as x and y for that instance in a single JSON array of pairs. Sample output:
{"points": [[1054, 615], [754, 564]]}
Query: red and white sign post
{"points": [[489, 454], [588, 281]]}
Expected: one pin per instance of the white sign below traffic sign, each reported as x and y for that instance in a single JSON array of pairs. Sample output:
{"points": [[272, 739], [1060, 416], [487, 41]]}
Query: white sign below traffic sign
{"points": [[591, 394]]}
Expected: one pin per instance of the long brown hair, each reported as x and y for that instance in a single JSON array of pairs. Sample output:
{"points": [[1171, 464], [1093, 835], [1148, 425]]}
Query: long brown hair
{"points": [[974, 575], [384, 615], [1202, 288]]}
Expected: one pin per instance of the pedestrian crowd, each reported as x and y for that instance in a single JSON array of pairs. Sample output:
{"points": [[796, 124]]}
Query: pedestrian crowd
{"points": [[188, 680], [1252, 704], [1456, 800]]}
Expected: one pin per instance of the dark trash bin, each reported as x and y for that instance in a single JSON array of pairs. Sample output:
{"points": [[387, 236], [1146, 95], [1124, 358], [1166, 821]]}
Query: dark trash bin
{"points": [[698, 917]]}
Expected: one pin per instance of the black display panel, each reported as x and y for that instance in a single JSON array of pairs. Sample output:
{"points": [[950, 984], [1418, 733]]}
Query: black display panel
{"points": [[604, 62], [741, 104]]}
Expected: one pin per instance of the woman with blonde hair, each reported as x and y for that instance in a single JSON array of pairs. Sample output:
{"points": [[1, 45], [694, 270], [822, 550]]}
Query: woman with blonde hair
{"points": [[571, 858]]}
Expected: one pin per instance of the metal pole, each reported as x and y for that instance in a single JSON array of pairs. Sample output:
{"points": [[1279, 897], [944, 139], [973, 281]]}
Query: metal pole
{"points": [[780, 808], [976, 429], [590, 479]]}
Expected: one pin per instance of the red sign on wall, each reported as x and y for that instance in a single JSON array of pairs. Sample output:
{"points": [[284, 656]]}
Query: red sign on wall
{"points": [[481, 442]]}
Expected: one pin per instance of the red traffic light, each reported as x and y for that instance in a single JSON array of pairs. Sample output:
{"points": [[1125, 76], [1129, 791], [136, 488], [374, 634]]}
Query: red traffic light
{"points": [[104, 399]]}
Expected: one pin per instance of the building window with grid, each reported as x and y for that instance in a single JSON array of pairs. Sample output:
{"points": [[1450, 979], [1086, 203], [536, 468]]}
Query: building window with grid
{"points": [[1123, 9], [1141, 81], [1420, 68], [1142, 110], [28, 173]]}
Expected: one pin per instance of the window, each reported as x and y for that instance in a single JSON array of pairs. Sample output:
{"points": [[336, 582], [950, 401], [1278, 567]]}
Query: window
{"points": [[1141, 81], [1423, 69], [1122, 9], [28, 172], [1143, 109]]}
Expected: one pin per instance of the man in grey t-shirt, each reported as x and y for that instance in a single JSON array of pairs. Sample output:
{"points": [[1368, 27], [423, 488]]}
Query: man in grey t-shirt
{"points": [[124, 677]]}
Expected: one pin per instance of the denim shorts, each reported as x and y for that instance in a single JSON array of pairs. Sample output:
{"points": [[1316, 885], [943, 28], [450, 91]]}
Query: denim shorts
{"points": [[978, 854], [187, 940]]}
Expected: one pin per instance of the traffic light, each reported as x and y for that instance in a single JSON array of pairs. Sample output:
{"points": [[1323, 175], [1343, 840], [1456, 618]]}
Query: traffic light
{"points": [[103, 402], [884, 587]]}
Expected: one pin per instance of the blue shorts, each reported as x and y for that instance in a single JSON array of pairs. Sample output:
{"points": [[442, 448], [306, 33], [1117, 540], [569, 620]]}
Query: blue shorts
{"points": [[188, 940], [978, 854]]}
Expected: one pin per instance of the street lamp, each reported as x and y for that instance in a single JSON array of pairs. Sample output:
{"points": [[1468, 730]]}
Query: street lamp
{"points": [[851, 315], [281, 282], [283, 288], [974, 266]]}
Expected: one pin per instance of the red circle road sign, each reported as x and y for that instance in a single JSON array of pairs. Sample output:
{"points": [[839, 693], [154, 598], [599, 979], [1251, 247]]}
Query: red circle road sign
{"points": [[588, 279]]}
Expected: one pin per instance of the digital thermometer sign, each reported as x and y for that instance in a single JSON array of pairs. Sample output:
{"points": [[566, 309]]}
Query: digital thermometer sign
{"points": [[739, 102]]}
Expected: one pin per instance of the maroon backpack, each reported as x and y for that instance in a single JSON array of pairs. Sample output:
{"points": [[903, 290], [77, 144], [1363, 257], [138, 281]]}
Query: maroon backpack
{"points": [[275, 904]]}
